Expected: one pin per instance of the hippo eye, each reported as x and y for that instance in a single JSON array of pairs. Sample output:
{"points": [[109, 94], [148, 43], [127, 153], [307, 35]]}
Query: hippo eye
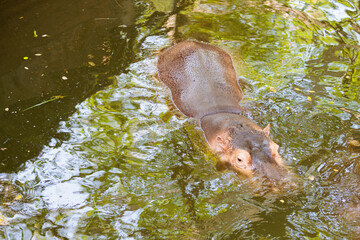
{"points": [[239, 159]]}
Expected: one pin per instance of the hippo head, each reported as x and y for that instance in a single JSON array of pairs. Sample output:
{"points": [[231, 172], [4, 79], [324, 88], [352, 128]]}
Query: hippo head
{"points": [[243, 146]]}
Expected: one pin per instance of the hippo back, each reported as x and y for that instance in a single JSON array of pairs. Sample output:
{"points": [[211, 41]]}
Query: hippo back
{"points": [[201, 78]]}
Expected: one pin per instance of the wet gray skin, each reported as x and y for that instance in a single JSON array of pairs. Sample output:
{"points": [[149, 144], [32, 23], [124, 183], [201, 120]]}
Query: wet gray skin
{"points": [[204, 85]]}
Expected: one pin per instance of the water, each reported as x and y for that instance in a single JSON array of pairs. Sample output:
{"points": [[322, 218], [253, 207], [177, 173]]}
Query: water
{"points": [[113, 162]]}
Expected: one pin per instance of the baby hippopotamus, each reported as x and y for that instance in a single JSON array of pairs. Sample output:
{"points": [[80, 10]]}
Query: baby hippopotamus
{"points": [[204, 85]]}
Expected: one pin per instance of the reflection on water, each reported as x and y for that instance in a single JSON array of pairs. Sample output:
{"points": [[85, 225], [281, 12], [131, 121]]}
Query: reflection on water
{"points": [[123, 166]]}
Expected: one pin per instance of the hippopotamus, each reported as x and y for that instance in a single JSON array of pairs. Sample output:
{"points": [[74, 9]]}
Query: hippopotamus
{"points": [[203, 85]]}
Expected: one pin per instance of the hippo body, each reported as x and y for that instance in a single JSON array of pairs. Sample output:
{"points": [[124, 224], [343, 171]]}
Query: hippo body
{"points": [[203, 85], [200, 76]]}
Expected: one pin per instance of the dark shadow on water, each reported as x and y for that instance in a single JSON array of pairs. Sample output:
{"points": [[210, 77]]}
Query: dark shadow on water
{"points": [[59, 48]]}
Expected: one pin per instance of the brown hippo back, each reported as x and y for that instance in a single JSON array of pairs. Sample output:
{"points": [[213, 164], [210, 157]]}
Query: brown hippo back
{"points": [[203, 85], [201, 78]]}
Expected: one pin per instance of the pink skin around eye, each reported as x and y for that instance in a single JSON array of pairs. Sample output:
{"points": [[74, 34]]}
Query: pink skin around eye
{"points": [[241, 162]]}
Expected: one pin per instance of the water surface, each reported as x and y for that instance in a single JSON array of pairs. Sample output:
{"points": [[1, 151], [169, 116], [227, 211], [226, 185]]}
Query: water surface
{"points": [[121, 164]]}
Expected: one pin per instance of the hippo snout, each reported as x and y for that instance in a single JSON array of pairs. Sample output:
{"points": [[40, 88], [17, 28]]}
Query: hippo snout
{"points": [[270, 170]]}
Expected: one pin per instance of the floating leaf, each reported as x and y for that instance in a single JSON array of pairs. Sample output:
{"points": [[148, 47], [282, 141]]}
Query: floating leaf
{"points": [[38, 54], [346, 110], [311, 178], [58, 97], [287, 108], [335, 170], [3, 221], [21, 17], [6, 109], [311, 91], [91, 64], [26, 68], [297, 89], [309, 98], [35, 34], [356, 168], [354, 143], [331, 102], [18, 197], [39, 104], [26, 58], [272, 89], [282, 201], [64, 78]]}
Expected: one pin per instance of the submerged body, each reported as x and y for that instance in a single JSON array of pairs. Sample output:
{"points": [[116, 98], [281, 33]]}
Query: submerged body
{"points": [[204, 85]]}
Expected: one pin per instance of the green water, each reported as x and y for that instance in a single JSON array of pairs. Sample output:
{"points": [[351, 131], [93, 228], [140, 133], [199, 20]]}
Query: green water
{"points": [[114, 162]]}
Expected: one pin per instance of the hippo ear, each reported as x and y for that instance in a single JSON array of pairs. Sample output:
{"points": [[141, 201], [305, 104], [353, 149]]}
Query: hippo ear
{"points": [[223, 140], [267, 130], [222, 143]]}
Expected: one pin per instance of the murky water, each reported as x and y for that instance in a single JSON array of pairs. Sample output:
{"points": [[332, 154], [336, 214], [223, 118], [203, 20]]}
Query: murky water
{"points": [[115, 163]]}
